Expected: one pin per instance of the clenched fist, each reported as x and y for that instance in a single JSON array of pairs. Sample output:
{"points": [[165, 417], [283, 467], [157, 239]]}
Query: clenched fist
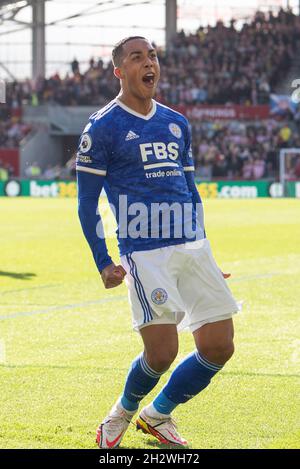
{"points": [[113, 275]]}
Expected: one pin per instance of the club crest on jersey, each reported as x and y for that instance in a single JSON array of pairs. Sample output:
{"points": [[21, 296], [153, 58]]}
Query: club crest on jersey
{"points": [[159, 296], [175, 130], [85, 143]]}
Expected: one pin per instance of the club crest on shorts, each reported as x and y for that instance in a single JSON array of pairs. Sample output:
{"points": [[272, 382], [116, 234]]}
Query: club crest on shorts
{"points": [[175, 130], [85, 143], [159, 296]]}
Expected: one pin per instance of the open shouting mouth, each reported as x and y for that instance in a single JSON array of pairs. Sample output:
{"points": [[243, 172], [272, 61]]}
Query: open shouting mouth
{"points": [[149, 79]]}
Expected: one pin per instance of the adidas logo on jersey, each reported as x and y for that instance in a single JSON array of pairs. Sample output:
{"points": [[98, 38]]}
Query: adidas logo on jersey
{"points": [[131, 135]]}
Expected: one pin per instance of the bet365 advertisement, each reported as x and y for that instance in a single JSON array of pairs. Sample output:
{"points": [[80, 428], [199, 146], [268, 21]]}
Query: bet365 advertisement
{"points": [[212, 190]]}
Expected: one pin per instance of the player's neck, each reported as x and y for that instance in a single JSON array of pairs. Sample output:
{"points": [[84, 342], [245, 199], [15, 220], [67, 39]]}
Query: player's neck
{"points": [[142, 106]]}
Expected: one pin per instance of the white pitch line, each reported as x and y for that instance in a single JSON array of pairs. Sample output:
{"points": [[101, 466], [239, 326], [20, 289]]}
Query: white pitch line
{"points": [[254, 277], [116, 298], [37, 287], [60, 308]]}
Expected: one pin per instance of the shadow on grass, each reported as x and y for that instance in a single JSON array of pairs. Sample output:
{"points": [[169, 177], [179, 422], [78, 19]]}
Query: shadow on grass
{"points": [[17, 275], [157, 445]]}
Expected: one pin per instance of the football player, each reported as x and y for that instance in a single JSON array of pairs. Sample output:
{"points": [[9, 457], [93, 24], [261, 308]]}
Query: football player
{"points": [[140, 151]]}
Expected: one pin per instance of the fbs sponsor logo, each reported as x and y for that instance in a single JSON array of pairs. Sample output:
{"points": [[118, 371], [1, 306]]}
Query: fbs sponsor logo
{"points": [[159, 150], [53, 189]]}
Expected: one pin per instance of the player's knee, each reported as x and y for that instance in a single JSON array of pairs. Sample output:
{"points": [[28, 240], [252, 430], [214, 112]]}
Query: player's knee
{"points": [[161, 360], [227, 351], [218, 353]]}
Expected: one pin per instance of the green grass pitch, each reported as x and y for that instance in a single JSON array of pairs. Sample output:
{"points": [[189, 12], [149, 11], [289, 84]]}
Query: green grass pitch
{"points": [[66, 342]]}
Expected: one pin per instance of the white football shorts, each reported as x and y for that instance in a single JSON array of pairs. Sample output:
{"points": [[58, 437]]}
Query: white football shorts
{"points": [[179, 284]]}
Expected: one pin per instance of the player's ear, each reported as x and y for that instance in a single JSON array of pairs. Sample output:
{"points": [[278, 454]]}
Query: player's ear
{"points": [[118, 73]]}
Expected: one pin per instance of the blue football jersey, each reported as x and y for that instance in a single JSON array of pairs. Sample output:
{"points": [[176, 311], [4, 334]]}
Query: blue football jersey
{"points": [[144, 160]]}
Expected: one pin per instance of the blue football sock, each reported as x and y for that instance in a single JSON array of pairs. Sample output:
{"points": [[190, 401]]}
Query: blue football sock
{"points": [[140, 381], [189, 378]]}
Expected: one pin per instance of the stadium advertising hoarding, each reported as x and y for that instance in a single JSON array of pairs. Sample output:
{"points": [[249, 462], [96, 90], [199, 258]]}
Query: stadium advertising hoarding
{"points": [[231, 112], [247, 189], [38, 188], [207, 189]]}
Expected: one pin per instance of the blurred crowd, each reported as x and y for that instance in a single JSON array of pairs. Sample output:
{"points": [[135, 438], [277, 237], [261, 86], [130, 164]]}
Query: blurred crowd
{"points": [[241, 150], [216, 65], [52, 172], [93, 87], [12, 132], [35, 171], [6, 171], [12, 128], [221, 149], [221, 65]]}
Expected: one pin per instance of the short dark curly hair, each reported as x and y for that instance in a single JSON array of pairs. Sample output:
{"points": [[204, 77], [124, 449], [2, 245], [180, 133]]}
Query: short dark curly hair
{"points": [[117, 51]]}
